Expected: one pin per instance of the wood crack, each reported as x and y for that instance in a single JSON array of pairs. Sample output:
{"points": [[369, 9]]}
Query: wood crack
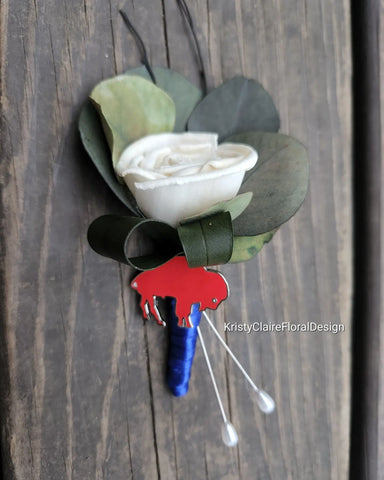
{"points": [[165, 34]]}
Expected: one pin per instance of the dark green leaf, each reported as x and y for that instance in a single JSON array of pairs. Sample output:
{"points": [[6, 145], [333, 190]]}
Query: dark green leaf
{"points": [[208, 241], [184, 95], [245, 248], [238, 105], [131, 107], [279, 182], [94, 142]]}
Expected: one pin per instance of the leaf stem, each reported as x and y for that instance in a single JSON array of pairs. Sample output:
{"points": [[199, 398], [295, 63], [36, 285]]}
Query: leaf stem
{"points": [[140, 45], [188, 18]]}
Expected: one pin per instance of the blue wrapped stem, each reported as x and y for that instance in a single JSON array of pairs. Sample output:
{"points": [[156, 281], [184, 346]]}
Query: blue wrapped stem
{"points": [[181, 350]]}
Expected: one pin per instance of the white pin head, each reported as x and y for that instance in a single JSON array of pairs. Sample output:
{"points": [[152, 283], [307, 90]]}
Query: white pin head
{"points": [[265, 402], [229, 434]]}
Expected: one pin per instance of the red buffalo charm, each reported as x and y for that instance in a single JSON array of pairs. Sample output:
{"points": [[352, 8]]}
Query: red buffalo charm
{"points": [[187, 285]]}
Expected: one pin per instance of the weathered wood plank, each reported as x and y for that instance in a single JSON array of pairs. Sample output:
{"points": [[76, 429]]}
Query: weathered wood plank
{"points": [[83, 392], [367, 440], [380, 437]]}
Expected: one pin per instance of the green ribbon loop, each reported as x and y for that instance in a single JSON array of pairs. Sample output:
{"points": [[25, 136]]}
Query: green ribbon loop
{"points": [[114, 236], [206, 241]]}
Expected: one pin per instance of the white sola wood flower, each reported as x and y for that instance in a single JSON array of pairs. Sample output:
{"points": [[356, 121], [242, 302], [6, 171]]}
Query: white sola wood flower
{"points": [[177, 175]]}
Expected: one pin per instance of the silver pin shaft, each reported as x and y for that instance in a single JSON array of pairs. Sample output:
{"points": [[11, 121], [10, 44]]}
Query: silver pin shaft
{"points": [[231, 354], [207, 361]]}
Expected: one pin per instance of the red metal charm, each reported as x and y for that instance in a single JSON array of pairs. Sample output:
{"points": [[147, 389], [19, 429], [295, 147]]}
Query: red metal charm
{"points": [[188, 286]]}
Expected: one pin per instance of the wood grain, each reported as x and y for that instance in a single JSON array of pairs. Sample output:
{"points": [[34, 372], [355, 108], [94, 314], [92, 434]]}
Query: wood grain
{"points": [[380, 394], [367, 439], [82, 376]]}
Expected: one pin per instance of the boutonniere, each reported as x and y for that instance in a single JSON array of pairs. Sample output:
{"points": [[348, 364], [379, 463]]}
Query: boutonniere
{"points": [[206, 178]]}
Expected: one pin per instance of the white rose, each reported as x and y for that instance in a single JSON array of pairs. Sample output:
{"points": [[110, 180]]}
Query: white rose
{"points": [[176, 175]]}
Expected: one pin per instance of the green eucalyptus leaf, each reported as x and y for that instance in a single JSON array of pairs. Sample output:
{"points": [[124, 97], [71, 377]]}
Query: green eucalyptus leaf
{"points": [[93, 138], [184, 95], [245, 248], [208, 241], [279, 182], [131, 107], [235, 206], [113, 235], [238, 105]]}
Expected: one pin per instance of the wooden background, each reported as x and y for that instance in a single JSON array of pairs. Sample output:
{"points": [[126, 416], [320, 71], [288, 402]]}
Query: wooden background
{"points": [[367, 432], [82, 376]]}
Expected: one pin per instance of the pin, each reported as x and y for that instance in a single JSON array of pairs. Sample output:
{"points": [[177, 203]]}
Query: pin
{"points": [[228, 432], [264, 400]]}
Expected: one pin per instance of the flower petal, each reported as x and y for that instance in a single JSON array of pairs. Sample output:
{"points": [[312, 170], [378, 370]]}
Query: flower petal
{"points": [[174, 176]]}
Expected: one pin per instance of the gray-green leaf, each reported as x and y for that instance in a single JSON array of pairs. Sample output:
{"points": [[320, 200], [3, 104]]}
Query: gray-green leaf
{"points": [[279, 182], [131, 107], [184, 95], [235, 206], [95, 143], [238, 105], [245, 248]]}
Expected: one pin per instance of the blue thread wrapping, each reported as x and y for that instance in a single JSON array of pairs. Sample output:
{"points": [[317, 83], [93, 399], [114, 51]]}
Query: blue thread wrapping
{"points": [[181, 350]]}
